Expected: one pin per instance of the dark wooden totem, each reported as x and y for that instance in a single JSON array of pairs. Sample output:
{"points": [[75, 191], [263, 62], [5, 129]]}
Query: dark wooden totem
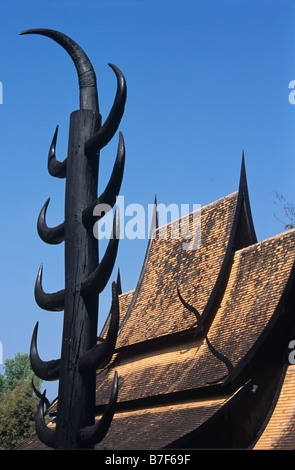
{"points": [[85, 277]]}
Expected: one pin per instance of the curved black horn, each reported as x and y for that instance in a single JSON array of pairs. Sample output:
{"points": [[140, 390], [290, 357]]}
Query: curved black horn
{"points": [[51, 235], [98, 279], [101, 354], [52, 302], [86, 74], [112, 189], [45, 434], [91, 435], [106, 132], [45, 370], [55, 168], [39, 395]]}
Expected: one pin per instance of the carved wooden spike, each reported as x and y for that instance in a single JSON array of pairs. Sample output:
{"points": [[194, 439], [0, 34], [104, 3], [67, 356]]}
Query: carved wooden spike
{"points": [[56, 168], [45, 370], [46, 435], [52, 302], [107, 131], [50, 235], [86, 74], [39, 395], [100, 355], [112, 189], [98, 279], [91, 435]]}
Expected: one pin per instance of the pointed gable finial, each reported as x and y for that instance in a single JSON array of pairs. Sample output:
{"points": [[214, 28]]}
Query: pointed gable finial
{"points": [[243, 179], [154, 220], [119, 284], [156, 213], [244, 198]]}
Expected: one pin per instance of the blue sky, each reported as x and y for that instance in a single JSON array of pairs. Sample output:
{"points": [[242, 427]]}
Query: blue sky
{"points": [[206, 79]]}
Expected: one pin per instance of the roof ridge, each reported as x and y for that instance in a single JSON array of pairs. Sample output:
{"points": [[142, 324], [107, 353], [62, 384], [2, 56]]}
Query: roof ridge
{"points": [[207, 206], [266, 240], [221, 216], [127, 292]]}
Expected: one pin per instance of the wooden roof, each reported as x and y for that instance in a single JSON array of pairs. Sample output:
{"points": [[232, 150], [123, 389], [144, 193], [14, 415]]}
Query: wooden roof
{"points": [[155, 309], [279, 431], [246, 312], [155, 427], [182, 374], [235, 283], [258, 277]]}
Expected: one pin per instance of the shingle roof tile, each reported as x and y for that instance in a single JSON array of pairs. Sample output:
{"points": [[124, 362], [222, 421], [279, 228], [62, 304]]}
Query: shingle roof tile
{"points": [[157, 310]]}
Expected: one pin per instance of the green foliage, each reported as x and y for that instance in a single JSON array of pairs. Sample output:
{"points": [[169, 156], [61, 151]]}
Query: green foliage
{"points": [[2, 382], [18, 405], [16, 370]]}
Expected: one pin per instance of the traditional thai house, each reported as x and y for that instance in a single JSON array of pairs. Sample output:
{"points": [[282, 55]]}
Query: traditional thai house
{"points": [[203, 351]]}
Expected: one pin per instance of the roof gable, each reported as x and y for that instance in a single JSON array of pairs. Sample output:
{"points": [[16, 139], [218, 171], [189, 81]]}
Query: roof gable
{"points": [[155, 309]]}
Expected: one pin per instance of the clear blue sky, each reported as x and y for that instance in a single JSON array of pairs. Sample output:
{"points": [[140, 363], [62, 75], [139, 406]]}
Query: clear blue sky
{"points": [[206, 79]]}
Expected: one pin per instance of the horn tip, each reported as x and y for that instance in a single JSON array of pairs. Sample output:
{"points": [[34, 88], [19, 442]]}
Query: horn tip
{"points": [[29, 31]]}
